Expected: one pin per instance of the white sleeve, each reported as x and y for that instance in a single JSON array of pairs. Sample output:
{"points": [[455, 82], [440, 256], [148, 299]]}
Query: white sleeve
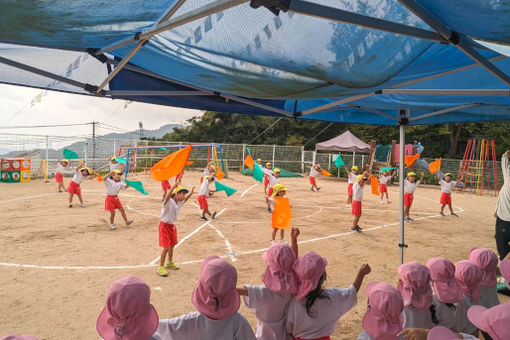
{"points": [[467, 336], [243, 330], [123, 185], [172, 329], [343, 299], [505, 167], [254, 294]]}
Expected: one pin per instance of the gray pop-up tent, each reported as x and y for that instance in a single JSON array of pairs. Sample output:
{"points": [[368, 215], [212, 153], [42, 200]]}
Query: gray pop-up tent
{"points": [[346, 142], [384, 62]]}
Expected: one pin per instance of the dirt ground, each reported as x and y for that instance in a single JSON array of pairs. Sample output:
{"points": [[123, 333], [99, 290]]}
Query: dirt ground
{"points": [[57, 263]]}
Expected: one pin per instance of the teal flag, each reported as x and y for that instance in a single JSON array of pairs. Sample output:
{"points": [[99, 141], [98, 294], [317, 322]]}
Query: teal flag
{"points": [[137, 185], [339, 161], [222, 187], [258, 174], [248, 150], [70, 154], [121, 160], [387, 169]]}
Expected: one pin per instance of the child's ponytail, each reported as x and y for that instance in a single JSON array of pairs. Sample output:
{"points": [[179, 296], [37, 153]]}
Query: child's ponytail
{"points": [[317, 293]]}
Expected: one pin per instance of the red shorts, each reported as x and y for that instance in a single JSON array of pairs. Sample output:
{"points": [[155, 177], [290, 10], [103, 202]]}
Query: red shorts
{"points": [[165, 185], [312, 181], [167, 235], [408, 199], [269, 192], [59, 178], [202, 200], [383, 188], [74, 188], [201, 179], [356, 208], [349, 189], [112, 203], [445, 198], [321, 338], [266, 181]]}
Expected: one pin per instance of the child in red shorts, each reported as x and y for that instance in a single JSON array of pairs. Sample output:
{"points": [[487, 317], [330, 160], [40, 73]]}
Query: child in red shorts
{"points": [[165, 185], [113, 186], [447, 186], [203, 193], [167, 230], [81, 173], [410, 185], [357, 197], [314, 172], [61, 167], [351, 179], [384, 177], [267, 172], [273, 180]]}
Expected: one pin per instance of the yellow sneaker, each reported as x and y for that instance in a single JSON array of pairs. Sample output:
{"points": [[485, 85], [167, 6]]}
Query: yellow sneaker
{"points": [[172, 266], [162, 271]]}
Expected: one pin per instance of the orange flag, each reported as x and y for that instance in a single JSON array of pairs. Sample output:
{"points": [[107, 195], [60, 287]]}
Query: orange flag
{"points": [[171, 165], [435, 166], [375, 185], [220, 174], [249, 162], [409, 160], [282, 216], [325, 173], [188, 163]]}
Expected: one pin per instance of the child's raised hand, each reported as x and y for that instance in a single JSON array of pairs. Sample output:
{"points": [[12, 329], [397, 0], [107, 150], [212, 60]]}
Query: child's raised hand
{"points": [[365, 269], [192, 189], [294, 233]]}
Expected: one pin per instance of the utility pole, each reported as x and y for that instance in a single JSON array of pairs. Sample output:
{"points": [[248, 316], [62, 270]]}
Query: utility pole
{"points": [[140, 125], [94, 142]]}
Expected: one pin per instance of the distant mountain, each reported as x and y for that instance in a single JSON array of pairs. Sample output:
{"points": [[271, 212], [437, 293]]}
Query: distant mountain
{"points": [[135, 135]]}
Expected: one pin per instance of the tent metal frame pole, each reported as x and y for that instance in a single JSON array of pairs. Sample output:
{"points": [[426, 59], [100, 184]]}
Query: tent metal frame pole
{"points": [[336, 103], [43, 73], [462, 42], [336, 14], [404, 116], [435, 113], [377, 112], [121, 93], [449, 92]]}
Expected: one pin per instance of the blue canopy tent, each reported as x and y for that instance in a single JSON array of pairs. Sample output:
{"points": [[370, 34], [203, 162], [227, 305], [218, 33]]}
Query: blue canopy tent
{"points": [[384, 62]]}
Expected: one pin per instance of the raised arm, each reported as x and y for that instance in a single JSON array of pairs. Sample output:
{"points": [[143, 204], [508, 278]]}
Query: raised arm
{"points": [[294, 233], [243, 291], [505, 166], [363, 271], [169, 193], [106, 176], [80, 164], [422, 177], [190, 194]]}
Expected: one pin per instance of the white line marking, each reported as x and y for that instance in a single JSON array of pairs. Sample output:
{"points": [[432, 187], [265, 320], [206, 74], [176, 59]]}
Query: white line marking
{"points": [[27, 197], [248, 189], [227, 243]]}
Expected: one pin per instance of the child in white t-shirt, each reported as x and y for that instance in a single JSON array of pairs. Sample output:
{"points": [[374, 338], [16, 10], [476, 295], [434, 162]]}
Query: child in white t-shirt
{"points": [[274, 179], [269, 301], [315, 311], [357, 198], [267, 172], [81, 173], [314, 172], [487, 261], [468, 276], [447, 186], [351, 179], [61, 167], [203, 193], [112, 201], [384, 177], [410, 185], [216, 299]]}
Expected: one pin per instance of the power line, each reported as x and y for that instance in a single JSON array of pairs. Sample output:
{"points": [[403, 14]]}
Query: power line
{"points": [[317, 135], [15, 114], [270, 126], [40, 126]]}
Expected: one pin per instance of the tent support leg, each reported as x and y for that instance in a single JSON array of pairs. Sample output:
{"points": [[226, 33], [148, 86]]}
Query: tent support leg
{"points": [[404, 117]]}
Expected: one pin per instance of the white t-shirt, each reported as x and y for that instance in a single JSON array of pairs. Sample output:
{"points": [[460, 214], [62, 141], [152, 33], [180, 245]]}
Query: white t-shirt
{"points": [[447, 187], [462, 323], [488, 297], [204, 189], [113, 188], [170, 211], [445, 315], [409, 187], [267, 171], [273, 180], [357, 192], [416, 319], [78, 177], [364, 336], [269, 309], [503, 204], [206, 172], [351, 178], [60, 169], [196, 326], [114, 166], [383, 179], [313, 172], [325, 313]]}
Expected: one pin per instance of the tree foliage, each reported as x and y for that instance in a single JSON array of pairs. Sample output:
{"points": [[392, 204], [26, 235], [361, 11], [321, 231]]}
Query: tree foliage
{"points": [[448, 140]]}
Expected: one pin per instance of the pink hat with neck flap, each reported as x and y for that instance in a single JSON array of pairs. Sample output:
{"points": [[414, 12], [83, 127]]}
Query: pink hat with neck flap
{"points": [[495, 321], [414, 285], [487, 261], [279, 276], [445, 286], [469, 276], [309, 268]]}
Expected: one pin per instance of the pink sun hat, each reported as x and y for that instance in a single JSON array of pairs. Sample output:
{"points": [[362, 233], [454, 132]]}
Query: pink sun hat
{"points": [[382, 320], [19, 337], [215, 294], [504, 268], [414, 285], [495, 321], [487, 261], [128, 314], [442, 333], [445, 286], [279, 276], [469, 276], [309, 268]]}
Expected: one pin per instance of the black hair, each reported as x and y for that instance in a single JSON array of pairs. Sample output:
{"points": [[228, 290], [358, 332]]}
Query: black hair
{"points": [[433, 314], [317, 293], [450, 305]]}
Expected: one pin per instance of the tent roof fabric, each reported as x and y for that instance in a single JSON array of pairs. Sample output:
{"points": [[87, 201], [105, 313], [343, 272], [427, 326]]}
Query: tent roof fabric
{"points": [[346, 142], [224, 55]]}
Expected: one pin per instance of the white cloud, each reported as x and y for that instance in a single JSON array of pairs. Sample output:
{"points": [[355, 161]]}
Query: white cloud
{"points": [[63, 108]]}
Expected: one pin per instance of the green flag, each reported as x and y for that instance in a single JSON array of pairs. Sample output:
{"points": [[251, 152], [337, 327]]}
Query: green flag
{"points": [[121, 160], [248, 150], [137, 185], [387, 169], [222, 187], [339, 161], [70, 154], [258, 174]]}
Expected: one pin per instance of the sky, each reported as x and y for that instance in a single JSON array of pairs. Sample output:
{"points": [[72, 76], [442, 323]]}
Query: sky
{"points": [[63, 108]]}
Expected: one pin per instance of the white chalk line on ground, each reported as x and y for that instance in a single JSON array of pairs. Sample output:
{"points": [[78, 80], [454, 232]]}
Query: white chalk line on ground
{"points": [[248, 189], [227, 243]]}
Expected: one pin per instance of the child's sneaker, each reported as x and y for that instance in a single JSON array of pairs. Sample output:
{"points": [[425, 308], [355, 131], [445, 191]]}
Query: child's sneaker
{"points": [[388, 201], [82, 205], [312, 190], [348, 206], [60, 191], [203, 218], [381, 201], [356, 229], [70, 205], [213, 215], [318, 188], [272, 241], [454, 214], [172, 266], [441, 213], [162, 271], [409, 219], [128, 222], [113, 227], [269, 210]]}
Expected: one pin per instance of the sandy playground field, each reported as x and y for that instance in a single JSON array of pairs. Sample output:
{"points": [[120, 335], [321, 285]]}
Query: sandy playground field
{"points": [[56, 263]]}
